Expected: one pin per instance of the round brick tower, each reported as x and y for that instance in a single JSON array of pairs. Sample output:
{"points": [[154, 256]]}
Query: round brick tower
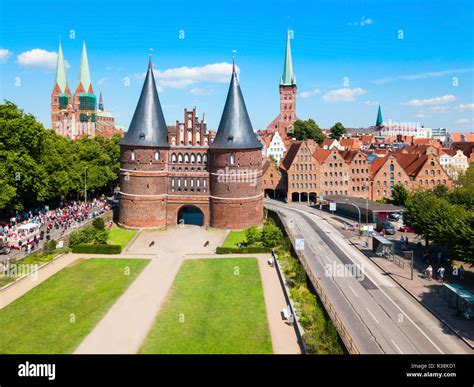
{"points": [[236, 195], [144, 154]]}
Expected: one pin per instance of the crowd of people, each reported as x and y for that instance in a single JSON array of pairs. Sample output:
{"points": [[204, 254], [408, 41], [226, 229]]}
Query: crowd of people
{"points": [[43, 222]]}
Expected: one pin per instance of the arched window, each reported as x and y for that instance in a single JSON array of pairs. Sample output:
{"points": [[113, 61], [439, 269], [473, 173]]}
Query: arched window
{"points": [[193, 158], [180, 158], [173, 158], [232, 159], [204, 158], [157, 155], [198, 158], [392, 167], [132, 155]]}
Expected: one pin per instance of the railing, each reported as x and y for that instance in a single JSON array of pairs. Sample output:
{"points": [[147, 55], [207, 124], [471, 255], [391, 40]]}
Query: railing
{"points": [[338, 323], [296, 325]]}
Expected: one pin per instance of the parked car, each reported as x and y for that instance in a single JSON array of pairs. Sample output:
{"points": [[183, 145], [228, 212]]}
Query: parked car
{"points": [[406, 229], [395, 215], [385, 225]]}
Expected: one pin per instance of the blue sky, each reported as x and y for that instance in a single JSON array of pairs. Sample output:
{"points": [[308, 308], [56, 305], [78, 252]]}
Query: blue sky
{"points": [[347, 56]]}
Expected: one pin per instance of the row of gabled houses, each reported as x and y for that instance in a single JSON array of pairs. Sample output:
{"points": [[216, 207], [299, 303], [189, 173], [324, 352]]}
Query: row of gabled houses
{"points": [[308, 171]]}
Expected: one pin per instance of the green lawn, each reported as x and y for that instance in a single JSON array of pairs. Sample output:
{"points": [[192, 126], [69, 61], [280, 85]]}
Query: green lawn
{"points": [[210, 310], [55, 316], [120, 236], [233, 238], [5, 280]]}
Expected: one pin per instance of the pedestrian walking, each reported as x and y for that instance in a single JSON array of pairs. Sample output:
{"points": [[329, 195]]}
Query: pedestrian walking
{"points": [[441, 273]]}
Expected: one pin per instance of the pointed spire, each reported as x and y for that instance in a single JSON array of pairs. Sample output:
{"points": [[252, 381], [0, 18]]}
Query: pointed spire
{"points": [[235, 129], [61, 78], [101, 102], [288, 77], [379, 121], [148, 126], [84, 73]]}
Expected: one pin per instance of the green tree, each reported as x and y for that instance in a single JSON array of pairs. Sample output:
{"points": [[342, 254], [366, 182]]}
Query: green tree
{"points": [[441, 191], [306, 130], [337, 131], [400, 194], [252, 235], [467, 179], [272, 236]]}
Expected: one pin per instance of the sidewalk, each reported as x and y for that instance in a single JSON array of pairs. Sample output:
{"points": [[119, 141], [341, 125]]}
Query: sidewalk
{"points": [[423, 290]]}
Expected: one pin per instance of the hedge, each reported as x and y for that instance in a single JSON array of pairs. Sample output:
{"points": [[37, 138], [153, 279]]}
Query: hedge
{"points": [[243, 250], [97, 249]]}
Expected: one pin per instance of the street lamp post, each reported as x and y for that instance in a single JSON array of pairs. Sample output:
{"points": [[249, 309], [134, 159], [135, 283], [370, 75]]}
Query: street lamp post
{"points": [[85, 185]]}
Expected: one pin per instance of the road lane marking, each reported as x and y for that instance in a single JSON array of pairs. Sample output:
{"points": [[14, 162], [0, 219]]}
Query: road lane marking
{"points": [[379, 288], [368, 311], [350, 287], [396, 346]]}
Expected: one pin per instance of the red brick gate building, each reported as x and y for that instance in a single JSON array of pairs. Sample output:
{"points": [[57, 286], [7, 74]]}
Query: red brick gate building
{"points": [[165, 173]]}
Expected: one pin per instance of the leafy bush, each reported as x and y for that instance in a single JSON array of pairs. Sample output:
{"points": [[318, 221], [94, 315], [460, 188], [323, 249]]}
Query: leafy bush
{"points": [[98, 223], [272, 236], [89, 234], [97, 249], [49, 246], [252, 235]]}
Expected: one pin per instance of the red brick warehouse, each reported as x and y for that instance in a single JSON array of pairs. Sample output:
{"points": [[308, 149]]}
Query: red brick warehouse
{"points": [[165, 174]]}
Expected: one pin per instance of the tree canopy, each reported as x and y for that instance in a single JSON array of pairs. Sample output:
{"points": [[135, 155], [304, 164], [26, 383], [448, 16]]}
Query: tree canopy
{"points": [[337, 131], [308, 130], [38, 166]]}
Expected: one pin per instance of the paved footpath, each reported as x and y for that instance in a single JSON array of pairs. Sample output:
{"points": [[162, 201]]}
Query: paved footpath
{"points": [[125, 326]]}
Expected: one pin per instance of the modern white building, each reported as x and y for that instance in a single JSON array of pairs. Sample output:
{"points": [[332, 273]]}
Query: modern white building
{"points": [[454, 162], [410, 129]]}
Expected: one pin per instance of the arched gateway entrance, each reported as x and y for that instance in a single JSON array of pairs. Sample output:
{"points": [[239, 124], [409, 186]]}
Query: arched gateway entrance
{"points": [[190, 215]]}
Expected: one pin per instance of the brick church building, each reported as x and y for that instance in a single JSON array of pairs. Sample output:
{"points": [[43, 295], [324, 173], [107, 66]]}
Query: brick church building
{"points": [[78, 115], [184, 174]]}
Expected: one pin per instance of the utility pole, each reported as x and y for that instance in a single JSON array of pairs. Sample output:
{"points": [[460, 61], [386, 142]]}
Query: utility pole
{"points": [[85, 185]]}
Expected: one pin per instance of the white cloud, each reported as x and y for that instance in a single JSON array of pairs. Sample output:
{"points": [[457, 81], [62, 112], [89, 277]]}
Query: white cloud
{"points": [[307, 94], [181, 77], [371, 103], [363, 22], [463, 107], [420, 115], [39, 58], [343, 95], [101, 81], [4, 55], [430, 101], [439, 109], [425, 75], [200, 91], [465, 121]]}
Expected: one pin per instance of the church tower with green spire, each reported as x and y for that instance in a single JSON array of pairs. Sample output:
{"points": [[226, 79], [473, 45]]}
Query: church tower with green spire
{"points": [[284, 121], [379, 121], [85, 101], [61, 97]]}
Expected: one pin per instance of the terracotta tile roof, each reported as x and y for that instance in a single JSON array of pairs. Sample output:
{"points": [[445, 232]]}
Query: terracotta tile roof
{"points": [[411, 163], [266, 140], [462, 137], [328, 142], [367, 139], [322, 154], [376, 165], [466, 147], [290, 155], [448, 151], [348, 155], [350, 143]]}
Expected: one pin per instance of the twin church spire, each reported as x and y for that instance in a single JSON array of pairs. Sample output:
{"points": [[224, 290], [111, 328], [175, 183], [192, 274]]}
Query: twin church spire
{"points": [[84, 72]]}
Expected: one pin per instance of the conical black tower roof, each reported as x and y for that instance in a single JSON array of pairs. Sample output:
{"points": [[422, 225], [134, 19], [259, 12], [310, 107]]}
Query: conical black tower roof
{"points": [[148, 126], [235, 130]]}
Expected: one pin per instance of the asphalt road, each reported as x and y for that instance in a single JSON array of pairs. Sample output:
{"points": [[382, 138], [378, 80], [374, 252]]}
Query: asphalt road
{"points": [[380, 316]]}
